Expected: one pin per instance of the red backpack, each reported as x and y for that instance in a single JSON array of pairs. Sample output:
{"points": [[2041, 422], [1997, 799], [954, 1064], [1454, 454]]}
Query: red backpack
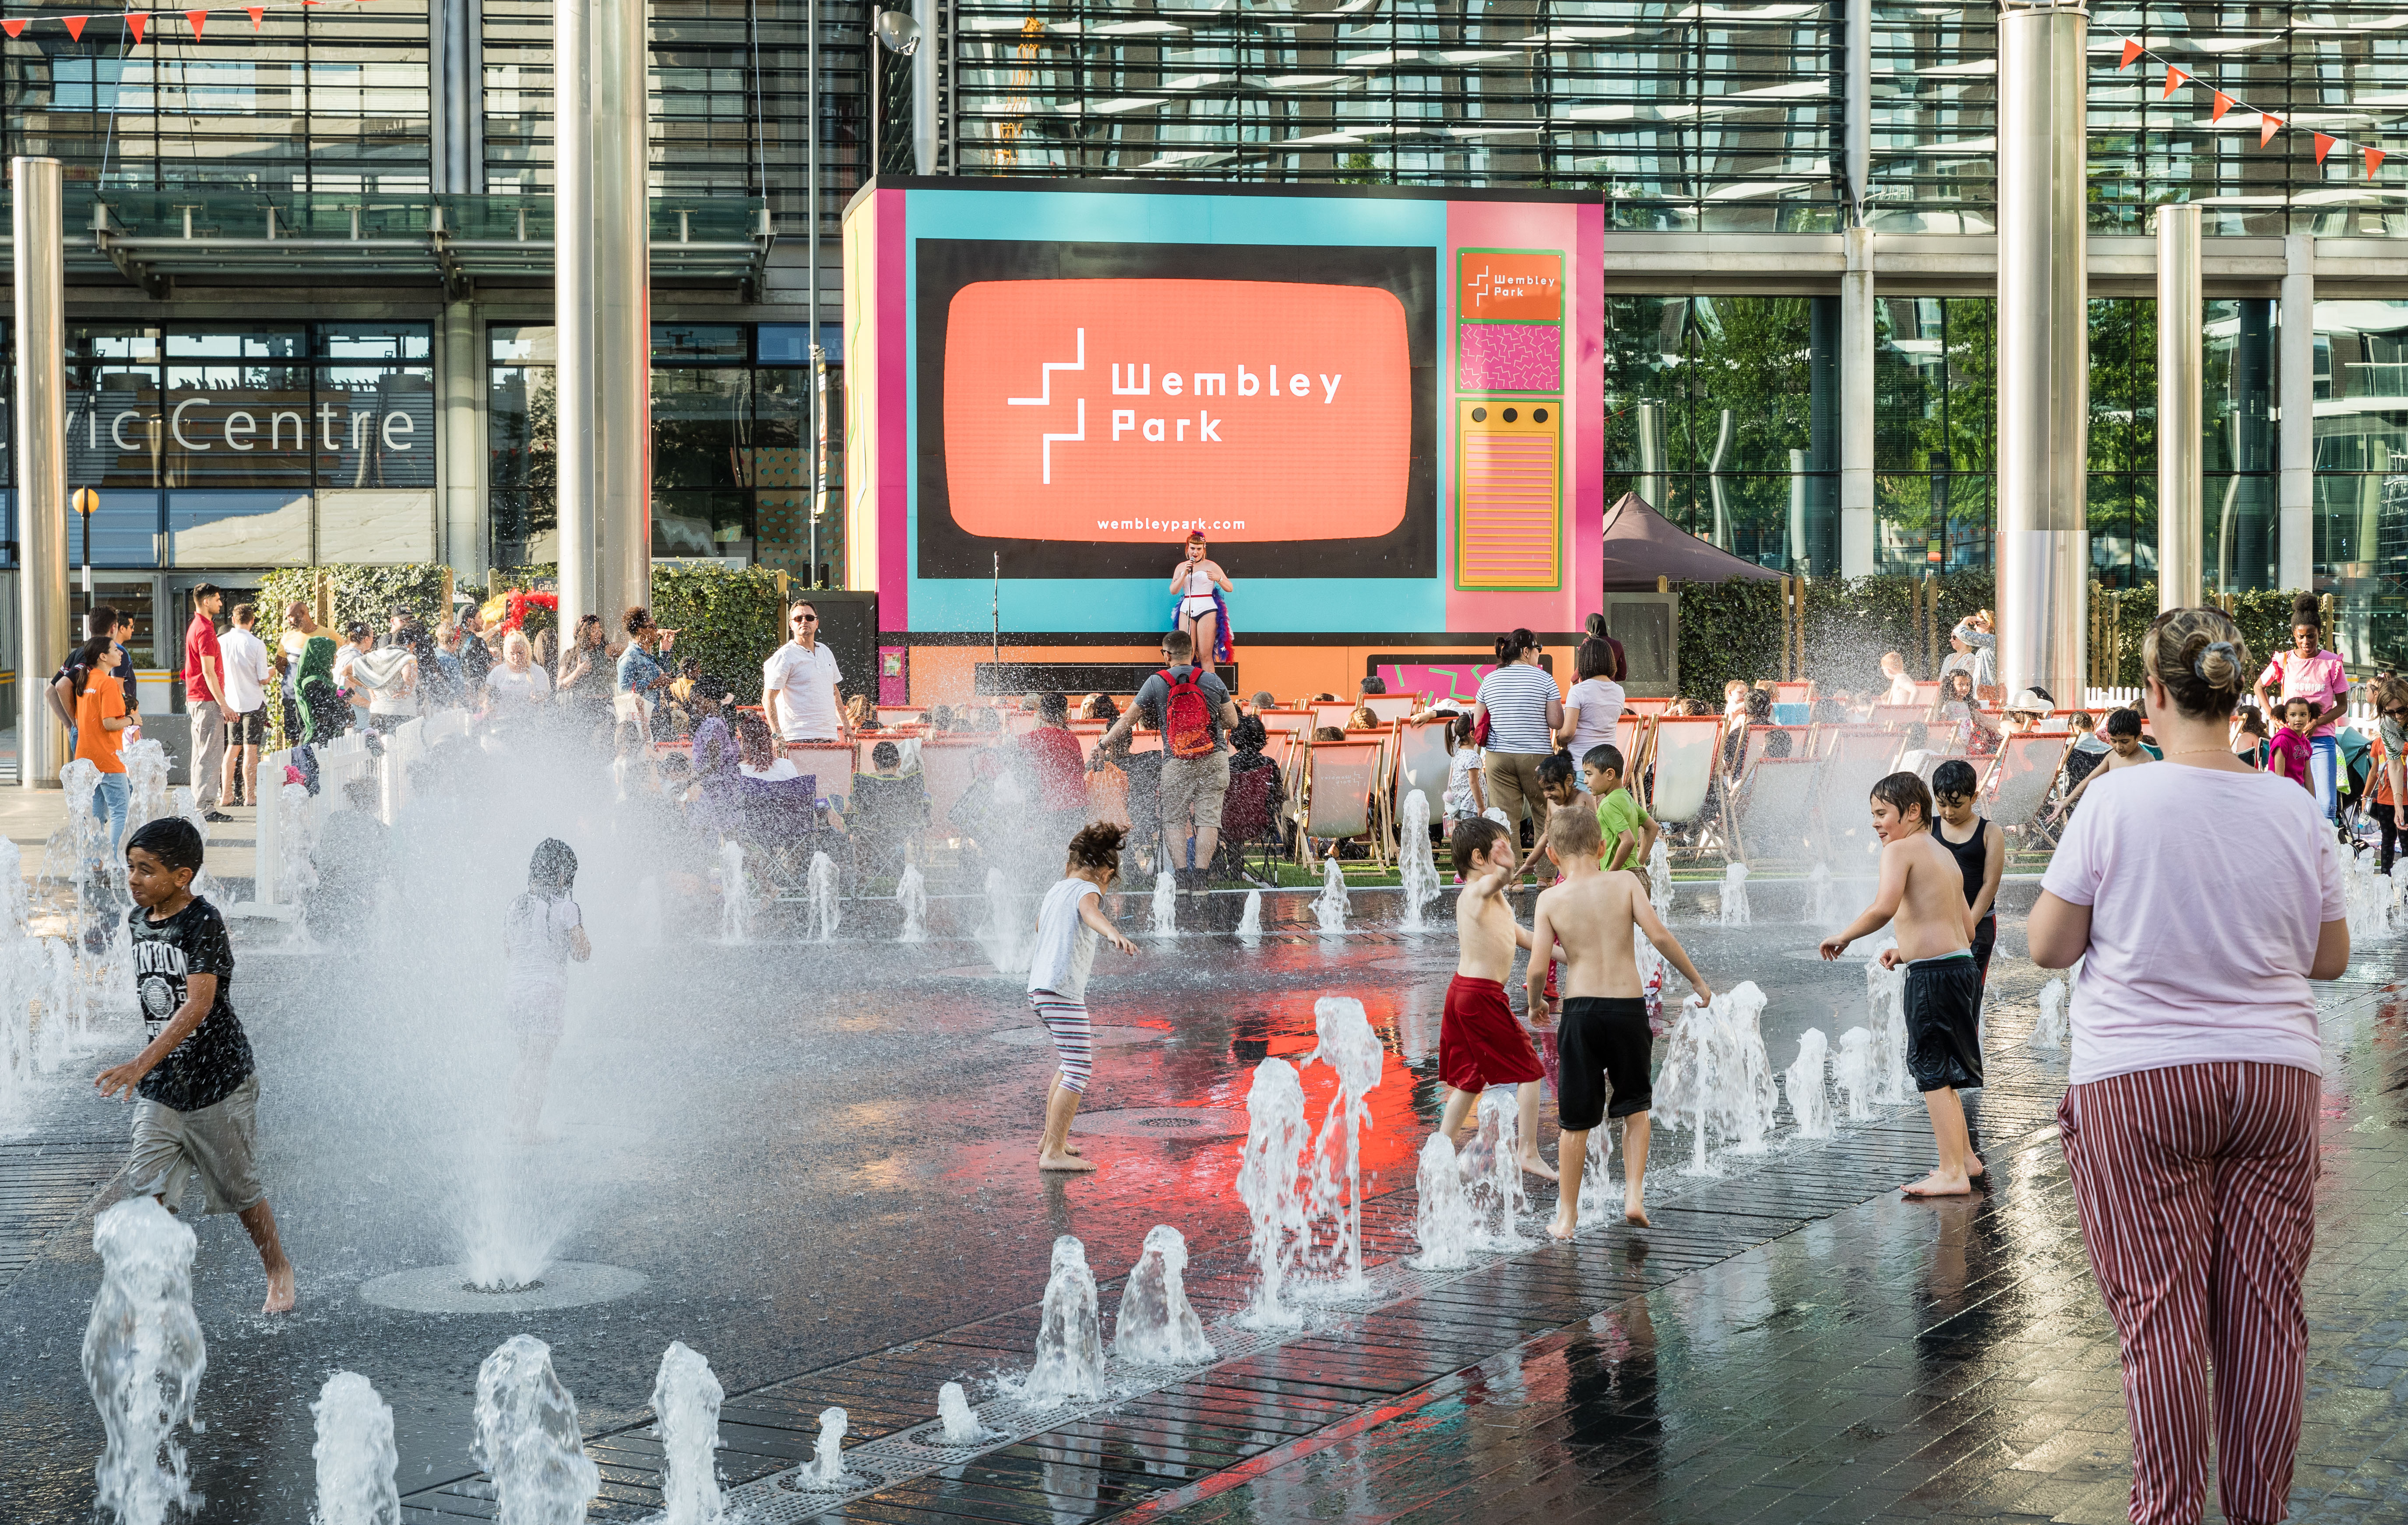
{"points": [[1187, 728]]}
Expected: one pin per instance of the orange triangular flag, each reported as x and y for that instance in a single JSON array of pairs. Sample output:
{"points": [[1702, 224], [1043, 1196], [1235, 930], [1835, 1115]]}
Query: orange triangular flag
{"points": [[2268, 125], [2174, 79], [196, 18], [2131, 51], [135, 22], [2375, 158], [257, 12], [75, 26], [12, 28], [2223, 104], [2324, 146]]}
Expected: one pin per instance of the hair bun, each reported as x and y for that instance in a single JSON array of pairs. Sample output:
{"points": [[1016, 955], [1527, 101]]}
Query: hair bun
{"points": [[1597, 626], [2218, 665]]}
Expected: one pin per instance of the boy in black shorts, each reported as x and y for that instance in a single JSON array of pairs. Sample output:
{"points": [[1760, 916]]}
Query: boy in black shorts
{"points": [[199, 1088], [1604, 1035]]}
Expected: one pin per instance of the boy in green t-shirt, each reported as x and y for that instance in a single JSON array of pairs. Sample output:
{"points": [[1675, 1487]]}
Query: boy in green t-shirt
{"points": [[1627, 831]]}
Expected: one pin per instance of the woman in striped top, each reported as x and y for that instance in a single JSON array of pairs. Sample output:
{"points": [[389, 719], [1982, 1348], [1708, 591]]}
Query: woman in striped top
{"points": [[1524, 709]]}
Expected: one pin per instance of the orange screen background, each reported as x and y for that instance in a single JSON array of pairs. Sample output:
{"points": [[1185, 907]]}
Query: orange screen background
{"points": [[1283, 467]]}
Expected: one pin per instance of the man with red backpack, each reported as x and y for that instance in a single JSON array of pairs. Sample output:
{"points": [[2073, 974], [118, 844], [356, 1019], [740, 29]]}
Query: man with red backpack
{"points": [[1193, 708]]}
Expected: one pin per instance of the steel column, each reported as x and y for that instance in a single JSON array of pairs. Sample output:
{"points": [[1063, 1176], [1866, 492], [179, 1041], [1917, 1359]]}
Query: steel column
{"points": [[623, 436], [1859, 531], [2295, 392], [459, 362], [2182, 320], [37, 224], [574, 319], [2044, 548]]}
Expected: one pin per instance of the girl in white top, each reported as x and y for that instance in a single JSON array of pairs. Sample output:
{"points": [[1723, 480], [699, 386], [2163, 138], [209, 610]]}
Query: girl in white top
{"points": [[1194, 580], [2203, 897], [1069, 922], [1464, 796], [518, 685], [541, 931], [1593, 708]]}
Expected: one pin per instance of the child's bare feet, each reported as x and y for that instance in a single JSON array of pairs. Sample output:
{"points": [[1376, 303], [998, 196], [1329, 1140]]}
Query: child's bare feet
{"points": [[279, 1289], [1063, 1162], [1938, 1185], [1538, 1167], [1635, 1215], [1565, 1221]]}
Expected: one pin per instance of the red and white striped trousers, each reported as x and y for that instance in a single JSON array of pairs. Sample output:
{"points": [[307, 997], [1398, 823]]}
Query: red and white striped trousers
{"points": [[2196, 1189]]}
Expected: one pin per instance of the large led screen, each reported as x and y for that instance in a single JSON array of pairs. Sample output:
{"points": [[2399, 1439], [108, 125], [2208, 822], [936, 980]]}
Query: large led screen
{"points": [[1083, 406]]}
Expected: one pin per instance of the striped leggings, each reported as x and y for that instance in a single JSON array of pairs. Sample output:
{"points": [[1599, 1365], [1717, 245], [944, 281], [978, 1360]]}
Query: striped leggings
{"points": [[1074, 1040], [2196, 1189]]}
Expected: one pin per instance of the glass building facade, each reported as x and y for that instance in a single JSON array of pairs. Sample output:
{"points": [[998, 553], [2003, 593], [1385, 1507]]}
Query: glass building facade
{"points": [[1724, 140]]}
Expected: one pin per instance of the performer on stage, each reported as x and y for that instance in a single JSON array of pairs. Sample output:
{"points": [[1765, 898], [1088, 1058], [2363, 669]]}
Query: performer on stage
{"points": [[1201, 611]]}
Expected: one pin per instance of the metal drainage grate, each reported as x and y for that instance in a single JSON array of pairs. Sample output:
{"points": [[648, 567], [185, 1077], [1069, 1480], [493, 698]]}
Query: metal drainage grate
{"points": [[1154, 1122]]}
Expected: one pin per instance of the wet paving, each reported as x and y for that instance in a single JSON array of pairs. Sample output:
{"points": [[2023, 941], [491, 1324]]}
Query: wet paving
{"points": [[819, 1161]]}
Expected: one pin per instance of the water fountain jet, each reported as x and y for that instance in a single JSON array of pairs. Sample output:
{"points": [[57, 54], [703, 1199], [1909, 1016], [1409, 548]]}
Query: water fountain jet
{"points": [[2048, 1032], [1417, 866], [1329, 909], [143, 1356], [912, 893], [1442, 1216], [1070, 1337], [821, 889], [1250, 920], [1157, 1325], [355, 1455], [1810, 1100], [1164, 919], [686, 1396], [527, 1438], [1269, 1186]]}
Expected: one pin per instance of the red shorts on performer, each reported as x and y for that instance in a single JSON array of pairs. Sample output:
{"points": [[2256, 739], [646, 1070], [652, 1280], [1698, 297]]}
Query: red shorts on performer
{"points": [[1479, 1041]]}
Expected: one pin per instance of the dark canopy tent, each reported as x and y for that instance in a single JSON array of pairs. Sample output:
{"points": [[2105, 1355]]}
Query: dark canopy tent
{"points": [[1642, 545]]}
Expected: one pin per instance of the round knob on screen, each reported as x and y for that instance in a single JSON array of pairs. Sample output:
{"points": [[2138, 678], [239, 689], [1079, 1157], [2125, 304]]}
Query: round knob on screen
{"points": [[1480, 415], [1509, 416], [1537, 415]]}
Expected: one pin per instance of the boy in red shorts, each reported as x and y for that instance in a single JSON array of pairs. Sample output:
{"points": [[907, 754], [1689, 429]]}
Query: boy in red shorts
{"points": [[1479, 1041]]}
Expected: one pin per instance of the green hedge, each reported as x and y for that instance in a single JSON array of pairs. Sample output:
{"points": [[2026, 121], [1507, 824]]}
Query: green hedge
{"points": [[729, 619], [1733, 630]]}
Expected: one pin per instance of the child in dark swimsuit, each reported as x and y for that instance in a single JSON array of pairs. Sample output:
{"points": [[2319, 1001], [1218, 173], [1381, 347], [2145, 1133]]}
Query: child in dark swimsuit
{"points": [[1978, 847]]}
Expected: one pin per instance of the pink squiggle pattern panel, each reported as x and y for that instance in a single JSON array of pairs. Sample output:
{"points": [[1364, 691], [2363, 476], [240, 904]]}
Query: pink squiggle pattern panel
{"points": [[1511, 357]]}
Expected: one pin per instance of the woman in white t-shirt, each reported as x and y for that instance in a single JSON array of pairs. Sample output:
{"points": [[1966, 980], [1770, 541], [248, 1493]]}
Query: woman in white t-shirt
{"points": [[1069, 921], [1593, 708], [757, 754], [2202, 898], [518, 686]]}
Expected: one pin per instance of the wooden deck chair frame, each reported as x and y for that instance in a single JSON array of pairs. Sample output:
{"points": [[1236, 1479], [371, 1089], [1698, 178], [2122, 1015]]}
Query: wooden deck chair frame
{"points": [[1695, 753], [1901, 714], [1330, 808], [1422, 763], [1856, 758], [2018, 813], [1646, 707], [1390, 708], [1330, 713], [947, 764], [1770, 819]]}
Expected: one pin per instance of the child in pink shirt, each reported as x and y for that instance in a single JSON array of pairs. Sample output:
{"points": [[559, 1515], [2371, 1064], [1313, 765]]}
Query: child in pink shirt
{"points": [[2288, 749]]}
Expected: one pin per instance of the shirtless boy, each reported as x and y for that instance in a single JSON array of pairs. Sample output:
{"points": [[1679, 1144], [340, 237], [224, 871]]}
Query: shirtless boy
{"points": [[1923, 888], [1604, 1035], [1479, 1043]]}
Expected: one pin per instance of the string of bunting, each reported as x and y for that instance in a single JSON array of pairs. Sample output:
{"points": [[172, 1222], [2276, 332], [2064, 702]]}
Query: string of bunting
{"points": [[136, 22], [2268, 123]]}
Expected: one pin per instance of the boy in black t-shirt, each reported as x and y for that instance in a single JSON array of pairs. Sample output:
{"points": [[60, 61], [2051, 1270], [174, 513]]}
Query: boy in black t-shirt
{"points": [[199, 1088]]}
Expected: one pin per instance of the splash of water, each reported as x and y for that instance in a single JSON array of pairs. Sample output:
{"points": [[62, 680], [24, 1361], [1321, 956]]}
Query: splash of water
{"points": [[296, 840], [1417, 864], [1156, 1326], [145, 783], [1851, 1072], [962, 1427], [527, 1438], [1653, 970], [1164, 919], [686, 1396], [1267, 1183], [355, 1455], [1822, 904], [188, 806], [825, 1469], [1660, 877], [1250, 920], [2366, 897], [1735, 894], [1716, 1080], [736, 901], [1348, 1045], [1599, 1201], [912, 893], [1000, 934], [1886, 1004], [143, 1356], [1070, 1337], [821, 888], [2048, 1033], [78, 780], [1329, 907], [1443, 1218], [1810, 1099], [1493, 1167]]}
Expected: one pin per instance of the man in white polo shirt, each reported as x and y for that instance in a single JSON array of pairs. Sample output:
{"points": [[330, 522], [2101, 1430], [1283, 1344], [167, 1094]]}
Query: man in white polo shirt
{"points": [[799, 682]]}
